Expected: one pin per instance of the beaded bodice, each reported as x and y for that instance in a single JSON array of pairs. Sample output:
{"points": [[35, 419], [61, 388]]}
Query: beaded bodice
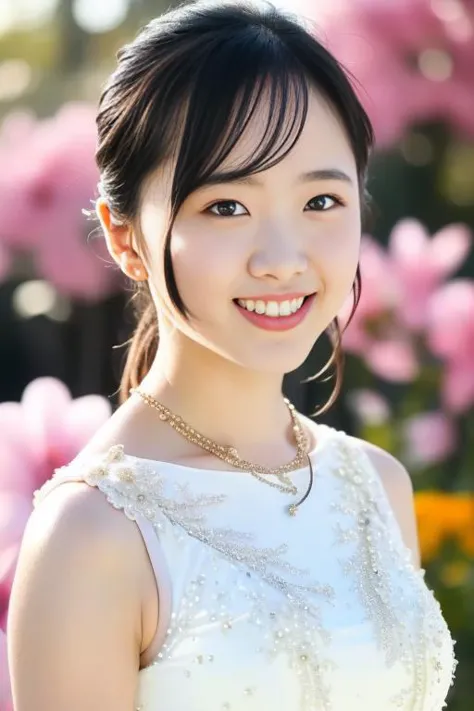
{"points": [[319, 612]]}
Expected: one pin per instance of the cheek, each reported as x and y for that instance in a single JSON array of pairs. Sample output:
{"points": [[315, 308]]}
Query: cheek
{"points": [[204, 270], [340, 257]]}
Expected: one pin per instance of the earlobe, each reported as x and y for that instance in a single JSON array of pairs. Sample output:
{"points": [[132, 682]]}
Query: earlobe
{"points": [[118, 237], [132, 266]]}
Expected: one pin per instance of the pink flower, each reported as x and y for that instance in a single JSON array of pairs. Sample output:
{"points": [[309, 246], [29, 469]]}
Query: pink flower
{"points": [[48, 176], [369, 406], [393, 360], [397, 285], [458, 386], [450, 336], [18, 143], [421, 50], [375, 333], [430, 437], [380, 293], [43, 432], [421, 263]]}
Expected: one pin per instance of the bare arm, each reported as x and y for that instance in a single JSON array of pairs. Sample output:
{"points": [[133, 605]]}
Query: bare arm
{"points": [[75, 616], [399, 489]]}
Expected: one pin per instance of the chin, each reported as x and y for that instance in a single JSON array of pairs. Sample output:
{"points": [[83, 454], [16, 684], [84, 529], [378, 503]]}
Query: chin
{"points": [[278, 359]]}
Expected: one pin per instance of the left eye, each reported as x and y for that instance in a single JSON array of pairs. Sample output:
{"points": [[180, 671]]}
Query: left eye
{"points": [[227, 208], [322, 203]]}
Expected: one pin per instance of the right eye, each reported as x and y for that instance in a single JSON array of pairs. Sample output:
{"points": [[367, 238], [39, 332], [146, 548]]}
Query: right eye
{"points": [[227, 208]]}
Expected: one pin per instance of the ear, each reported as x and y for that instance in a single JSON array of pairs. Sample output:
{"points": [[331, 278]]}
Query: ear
{"points": [[119, 240]]}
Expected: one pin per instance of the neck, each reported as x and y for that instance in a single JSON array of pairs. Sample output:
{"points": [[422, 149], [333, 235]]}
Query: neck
{"points": [[226, 402]]}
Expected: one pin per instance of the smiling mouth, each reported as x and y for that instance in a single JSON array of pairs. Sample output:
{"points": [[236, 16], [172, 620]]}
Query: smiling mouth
{"points": [[274, 309]]}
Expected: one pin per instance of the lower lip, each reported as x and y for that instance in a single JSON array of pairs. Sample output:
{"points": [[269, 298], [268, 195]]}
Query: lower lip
{"points": [[278, 323]]}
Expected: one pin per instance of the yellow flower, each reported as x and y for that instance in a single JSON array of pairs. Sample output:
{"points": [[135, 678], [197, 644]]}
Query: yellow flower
{"points": [[455, 573], [442, 516], [431, 529]]}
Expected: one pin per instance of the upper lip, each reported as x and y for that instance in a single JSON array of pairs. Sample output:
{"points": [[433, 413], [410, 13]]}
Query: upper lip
{"points": [[276, 297]]}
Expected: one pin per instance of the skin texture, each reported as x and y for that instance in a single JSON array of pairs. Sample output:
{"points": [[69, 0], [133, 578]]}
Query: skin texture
{"points": [[75, 639], [274, 244], [287, 236]]}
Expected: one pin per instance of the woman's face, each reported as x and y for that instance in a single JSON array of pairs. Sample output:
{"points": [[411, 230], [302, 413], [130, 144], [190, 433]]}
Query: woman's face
{"points": [[260, 245]]}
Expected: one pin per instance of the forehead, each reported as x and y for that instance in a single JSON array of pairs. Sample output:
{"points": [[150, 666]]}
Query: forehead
{"points": [[322, 139], [322, 142]]}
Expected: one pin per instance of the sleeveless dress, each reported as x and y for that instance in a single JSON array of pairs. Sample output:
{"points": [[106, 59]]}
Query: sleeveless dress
{"points": [[262, 611]]}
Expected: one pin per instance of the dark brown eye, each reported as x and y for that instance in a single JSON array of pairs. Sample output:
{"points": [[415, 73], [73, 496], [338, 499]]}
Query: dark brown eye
{"points": [[228, 208], [322, 203]]}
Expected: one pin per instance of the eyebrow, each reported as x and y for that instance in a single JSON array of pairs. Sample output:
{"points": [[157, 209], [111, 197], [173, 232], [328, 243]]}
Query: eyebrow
{"points": [[308, 177]]}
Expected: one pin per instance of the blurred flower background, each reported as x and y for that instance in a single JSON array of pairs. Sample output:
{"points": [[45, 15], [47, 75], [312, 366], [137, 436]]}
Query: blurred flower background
{"points": [[410, 349]]}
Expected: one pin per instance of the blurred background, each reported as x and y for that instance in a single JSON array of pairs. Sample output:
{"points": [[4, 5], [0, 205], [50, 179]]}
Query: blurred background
{"points": [[65, 312]]}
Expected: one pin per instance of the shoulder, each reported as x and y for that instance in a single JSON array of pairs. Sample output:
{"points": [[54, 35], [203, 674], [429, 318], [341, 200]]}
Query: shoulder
{"points": [[393, 473], [75, 612], [75, 527], [398, 487], [79, 510]]}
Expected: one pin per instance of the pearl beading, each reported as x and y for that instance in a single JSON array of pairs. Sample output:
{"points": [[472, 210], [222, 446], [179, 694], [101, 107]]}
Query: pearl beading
{"points": [[293, 625]]}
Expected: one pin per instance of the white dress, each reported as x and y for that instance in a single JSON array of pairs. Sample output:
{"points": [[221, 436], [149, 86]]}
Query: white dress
{"points": [[262, 611]]}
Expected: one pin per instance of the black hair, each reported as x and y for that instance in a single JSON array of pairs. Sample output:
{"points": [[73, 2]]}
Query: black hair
{"points": [[186, 89]]}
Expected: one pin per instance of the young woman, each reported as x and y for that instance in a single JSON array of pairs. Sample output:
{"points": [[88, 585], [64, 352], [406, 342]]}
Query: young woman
{"points": [[263, 561]]}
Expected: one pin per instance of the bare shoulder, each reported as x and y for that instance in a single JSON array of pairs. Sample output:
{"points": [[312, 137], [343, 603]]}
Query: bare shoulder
{"points": [[398, 486], [77, 518], [392, 472], [74, 527], [75, 612], [75, 533]]}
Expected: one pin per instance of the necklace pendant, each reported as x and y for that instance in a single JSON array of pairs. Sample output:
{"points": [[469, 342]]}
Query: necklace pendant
{"points": [[292, 509]]}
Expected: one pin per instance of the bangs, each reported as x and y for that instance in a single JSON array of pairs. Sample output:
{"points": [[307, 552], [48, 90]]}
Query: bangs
{"points": [[259, 84], [195, 84]]}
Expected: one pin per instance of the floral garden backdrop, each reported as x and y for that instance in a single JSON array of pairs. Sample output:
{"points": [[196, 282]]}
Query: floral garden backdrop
{"points": [[64, 310]]}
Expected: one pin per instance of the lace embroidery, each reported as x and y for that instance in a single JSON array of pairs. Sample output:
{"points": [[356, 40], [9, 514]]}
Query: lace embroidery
{"points": [[379, 549], [297, 627], [140, 490], [366, 566], [431, 637], [283, 628], [294, 627], [435, 636]]}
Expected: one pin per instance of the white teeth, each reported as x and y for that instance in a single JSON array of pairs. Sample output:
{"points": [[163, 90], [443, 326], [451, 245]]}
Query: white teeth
{"points": [[285, 308], [272, 308]]}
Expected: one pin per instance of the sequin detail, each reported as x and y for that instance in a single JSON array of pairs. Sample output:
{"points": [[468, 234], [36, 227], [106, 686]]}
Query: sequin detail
{"points": [[366, 566], [297, 628], [140, 491], [408, 628], [281, 603]]}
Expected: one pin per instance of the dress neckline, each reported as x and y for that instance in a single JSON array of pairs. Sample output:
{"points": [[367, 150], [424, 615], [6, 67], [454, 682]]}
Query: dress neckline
{"points": [[320, 433]]}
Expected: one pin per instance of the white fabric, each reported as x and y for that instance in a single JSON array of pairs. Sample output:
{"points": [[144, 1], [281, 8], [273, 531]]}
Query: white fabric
{"points": [[268, 612]]}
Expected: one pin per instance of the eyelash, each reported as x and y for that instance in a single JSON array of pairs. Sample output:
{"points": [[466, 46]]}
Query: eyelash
{"points": [[338, 203]]}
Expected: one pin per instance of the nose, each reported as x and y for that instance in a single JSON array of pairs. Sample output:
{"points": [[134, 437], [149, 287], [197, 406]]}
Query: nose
{"points": [[277, 256]]}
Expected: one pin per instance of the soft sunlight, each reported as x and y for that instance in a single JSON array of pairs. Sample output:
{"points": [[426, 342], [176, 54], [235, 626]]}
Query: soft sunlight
{"points": [[25, 13], [94, 16]]}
